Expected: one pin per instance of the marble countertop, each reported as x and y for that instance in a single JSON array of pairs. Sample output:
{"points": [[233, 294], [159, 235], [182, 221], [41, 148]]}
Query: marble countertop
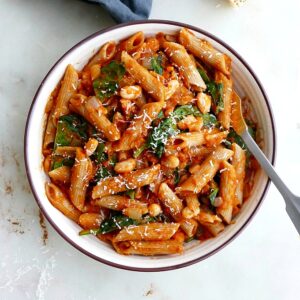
{"points": [[36, 263]]}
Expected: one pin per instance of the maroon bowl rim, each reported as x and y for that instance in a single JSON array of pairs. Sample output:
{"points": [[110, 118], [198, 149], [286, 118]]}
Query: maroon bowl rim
{"points": [[181, 265]]}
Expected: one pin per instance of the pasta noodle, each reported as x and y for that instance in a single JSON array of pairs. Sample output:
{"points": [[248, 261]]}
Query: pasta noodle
{"points": [[139, 146]]}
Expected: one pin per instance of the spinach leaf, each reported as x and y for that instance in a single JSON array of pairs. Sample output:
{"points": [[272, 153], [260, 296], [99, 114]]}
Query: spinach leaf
{"points": [[139, 151], [111, 224], [113, 160], [214, 89], [148, 219], [59, 161], [209, 120], [156, 66], [108, 83], [160, 134], [189, 239], [213, 194], [99, 155], [185, 110], [160, 115], [203, 75], [216, 92], [176, 176], [116, 222], [130, 194], [102, 173], [251, 128], [233, 137], [71, 131]]}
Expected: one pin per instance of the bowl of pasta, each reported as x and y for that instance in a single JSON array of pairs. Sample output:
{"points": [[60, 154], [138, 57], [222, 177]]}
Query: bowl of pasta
{"points": [[130, 150]]}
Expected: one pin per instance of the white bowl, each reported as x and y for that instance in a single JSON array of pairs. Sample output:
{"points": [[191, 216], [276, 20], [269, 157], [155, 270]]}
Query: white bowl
{"points": [[245, 82]]}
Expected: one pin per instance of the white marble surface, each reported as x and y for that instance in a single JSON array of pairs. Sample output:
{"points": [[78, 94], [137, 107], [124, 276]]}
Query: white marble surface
{"points": [[262, 263]]}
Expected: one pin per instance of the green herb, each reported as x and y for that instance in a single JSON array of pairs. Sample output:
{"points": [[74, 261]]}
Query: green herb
{"points": [[116, 222], [251, 128], [89, 231], [160, 115], [59, 161], [186, 110], [99, 155], [156, 66], [139, 151], [233, 137], [160, 134], [214, 89], [209, 120], [108, 83], [102, 173], [113, 160], [203, 75], [176, 176], [216, 92], [189, 239], [130, 194], [71, 131], [213, 194], [148, 219]]}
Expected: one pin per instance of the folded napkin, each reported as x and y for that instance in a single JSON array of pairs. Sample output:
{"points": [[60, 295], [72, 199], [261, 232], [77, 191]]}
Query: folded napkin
{"points": [[125, 10]]}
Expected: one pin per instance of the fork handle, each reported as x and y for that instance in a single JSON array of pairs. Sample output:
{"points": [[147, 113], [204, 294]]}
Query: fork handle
{"points": [[292, 202]]}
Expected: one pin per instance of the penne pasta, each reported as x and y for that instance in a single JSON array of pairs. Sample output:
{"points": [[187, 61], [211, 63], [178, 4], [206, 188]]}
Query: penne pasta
{"points": [[208, 170], [59, 200], [116, 202], [203, 102], [66, 151], [180, 57], [133, 43], [215, 139], [203, 50], [61, 174], [189, 226], [81, 174], [215, 228], [50, 132], [121, 183], [147, 248], [193, 203], [93, 110], [91, 146], [227, 192], [147, 232], [106, 53], [67, 90], [189, 140], [169, 199], [90, 220], [224, 115], [148, 82], [125, 166], [239, 164]]}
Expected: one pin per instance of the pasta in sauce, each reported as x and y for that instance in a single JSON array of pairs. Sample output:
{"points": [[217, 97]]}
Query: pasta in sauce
{"points": [[139, 146]]}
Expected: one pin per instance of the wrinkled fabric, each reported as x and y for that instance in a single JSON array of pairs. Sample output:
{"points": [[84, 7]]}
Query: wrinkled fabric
{"points": [[125, 10]]}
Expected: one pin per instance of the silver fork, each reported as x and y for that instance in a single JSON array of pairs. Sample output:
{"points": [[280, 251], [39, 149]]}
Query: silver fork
{"points": [[292, 201]]}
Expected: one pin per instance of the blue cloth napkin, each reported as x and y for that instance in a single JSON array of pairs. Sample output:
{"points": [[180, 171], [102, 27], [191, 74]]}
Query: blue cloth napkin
{"points": [[125, 10]]}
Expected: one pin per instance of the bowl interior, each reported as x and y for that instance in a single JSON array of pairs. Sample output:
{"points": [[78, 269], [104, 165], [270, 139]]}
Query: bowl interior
{"points": [[244, 83]]}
